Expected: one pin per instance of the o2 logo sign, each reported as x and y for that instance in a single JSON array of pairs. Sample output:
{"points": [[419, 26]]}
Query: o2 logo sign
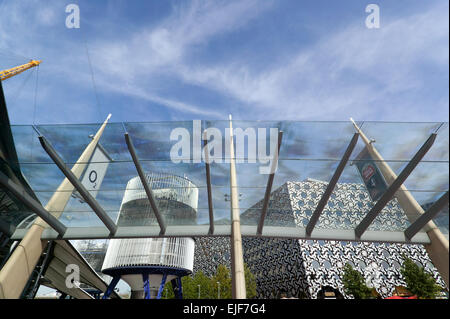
{"points": [[93, 178]]}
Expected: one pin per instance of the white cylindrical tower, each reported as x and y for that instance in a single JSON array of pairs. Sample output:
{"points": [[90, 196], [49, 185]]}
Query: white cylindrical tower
{"points": [[146, 264]]}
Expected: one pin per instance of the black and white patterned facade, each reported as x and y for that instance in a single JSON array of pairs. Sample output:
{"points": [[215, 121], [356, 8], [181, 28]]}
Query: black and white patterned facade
{"points": [[301, 268]]}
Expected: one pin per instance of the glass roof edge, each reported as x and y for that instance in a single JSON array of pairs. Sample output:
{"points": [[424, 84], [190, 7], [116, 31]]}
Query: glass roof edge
{"points": [[236, 120]]}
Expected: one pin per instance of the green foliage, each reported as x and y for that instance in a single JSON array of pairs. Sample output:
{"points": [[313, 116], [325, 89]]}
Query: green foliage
{"points": [[204, 285], [168, 292], [189, 290], [418, 281], [209, 286], [354, 283], [250, 282], [222, 276]]}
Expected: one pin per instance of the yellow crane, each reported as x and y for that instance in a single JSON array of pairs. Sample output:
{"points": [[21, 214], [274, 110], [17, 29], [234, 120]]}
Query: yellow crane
{"points": [[6, 74]]}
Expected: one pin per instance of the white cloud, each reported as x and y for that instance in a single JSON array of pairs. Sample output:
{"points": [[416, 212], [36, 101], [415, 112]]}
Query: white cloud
{"points": [[164, 47], [344, 73], [136, 91], [46, 16], [346, 70]]}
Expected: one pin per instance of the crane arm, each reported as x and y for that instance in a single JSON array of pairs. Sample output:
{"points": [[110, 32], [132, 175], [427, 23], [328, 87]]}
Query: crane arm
{"points": [[6, 74]]}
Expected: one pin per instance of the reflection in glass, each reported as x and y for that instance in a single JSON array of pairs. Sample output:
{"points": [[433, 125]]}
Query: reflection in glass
{"points": [[176, 199]]}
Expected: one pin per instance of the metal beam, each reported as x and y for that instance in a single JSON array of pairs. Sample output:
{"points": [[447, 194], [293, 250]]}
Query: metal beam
{"points": [[392, 189], [76, 233], [90, 200], [415, 227], [31, 203], [147, 188], [331, 185], [238, 290], [209, 188], [334, 234], [269, 186]]}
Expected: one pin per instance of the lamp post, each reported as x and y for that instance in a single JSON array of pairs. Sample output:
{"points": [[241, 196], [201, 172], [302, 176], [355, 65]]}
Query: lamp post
{"points": [[198, 291], [218, 290]]}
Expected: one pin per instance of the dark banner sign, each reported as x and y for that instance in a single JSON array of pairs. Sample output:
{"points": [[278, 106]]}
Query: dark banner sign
{"points": [[370, 174]]}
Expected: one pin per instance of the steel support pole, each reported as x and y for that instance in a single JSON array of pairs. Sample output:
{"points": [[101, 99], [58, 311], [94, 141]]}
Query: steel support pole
{"points": [[331, 185], [179, 288], [238, 290], [431, 212], [269, 186], [438, 250], [146, 280], [147, 188], [161, 286], [394, 187], [14, 274], [111, 287]]}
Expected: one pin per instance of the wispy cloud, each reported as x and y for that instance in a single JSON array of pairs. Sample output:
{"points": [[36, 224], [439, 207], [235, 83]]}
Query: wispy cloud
{"points": [[397, 72], [344, 72]]}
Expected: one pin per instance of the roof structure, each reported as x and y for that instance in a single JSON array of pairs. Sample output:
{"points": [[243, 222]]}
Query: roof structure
{"points": [[325, 151]]}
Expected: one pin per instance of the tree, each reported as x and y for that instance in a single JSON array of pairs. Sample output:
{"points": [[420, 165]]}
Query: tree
{"points": [[354, 283], [418, 281], [222, 276], [168, 291], [250, 282], [204, 284]]}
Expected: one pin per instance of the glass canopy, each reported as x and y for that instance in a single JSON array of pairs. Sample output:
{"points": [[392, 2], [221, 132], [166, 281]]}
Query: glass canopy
{"points": [[309, 156]]}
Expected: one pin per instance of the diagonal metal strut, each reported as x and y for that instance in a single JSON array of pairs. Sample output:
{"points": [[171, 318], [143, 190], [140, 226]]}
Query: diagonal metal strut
{"points": [[90, 200], [392, 189], [208, 185], [269, 187], [423, 219], [331, 185], [147, 188]]}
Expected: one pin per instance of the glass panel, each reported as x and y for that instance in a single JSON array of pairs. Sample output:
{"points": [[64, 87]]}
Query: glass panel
{"points": [[428, 198], [426, 177], [297, 188], [400, 141], [441, 220], [440, 150]]}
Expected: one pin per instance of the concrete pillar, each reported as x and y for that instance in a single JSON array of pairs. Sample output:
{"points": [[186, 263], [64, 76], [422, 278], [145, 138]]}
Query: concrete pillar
{"points": [[238, 290], [15, 273], [438, 249]]}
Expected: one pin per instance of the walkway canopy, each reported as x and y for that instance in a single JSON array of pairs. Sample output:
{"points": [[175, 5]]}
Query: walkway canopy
{"points": [[332, 152]]}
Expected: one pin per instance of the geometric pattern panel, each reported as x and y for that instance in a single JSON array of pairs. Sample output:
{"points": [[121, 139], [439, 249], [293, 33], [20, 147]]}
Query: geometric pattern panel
{"points": [[211, 252], [346, 207], [301, 268], [277, 265], [304, 267], [378, 262]]}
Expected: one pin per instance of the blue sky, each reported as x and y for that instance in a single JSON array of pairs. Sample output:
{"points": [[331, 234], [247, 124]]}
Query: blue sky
{"points": [[258, 60]]}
